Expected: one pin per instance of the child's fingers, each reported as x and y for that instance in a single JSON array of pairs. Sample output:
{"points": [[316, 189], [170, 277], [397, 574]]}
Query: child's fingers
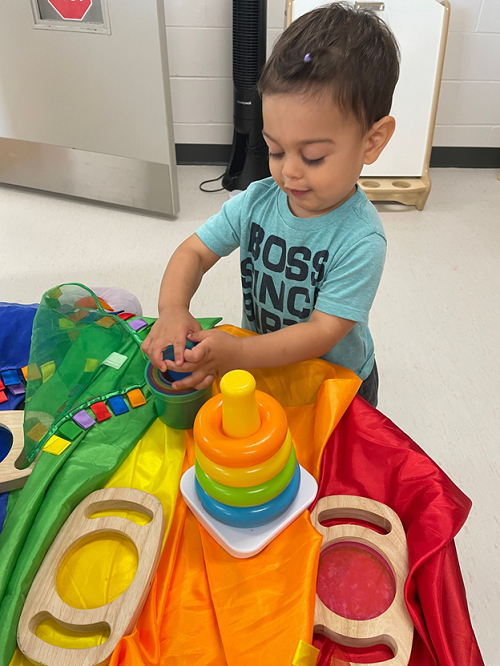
{"points": [[196, 354], [198, 336], [179, 347], [197, 380], [156, 355]]}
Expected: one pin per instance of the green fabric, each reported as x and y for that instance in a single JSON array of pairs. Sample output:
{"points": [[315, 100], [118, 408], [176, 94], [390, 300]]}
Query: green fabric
{"points": [[57, 484]]}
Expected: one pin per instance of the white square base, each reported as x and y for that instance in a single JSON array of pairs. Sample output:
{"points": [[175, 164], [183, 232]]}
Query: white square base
{"points": [[244, 542]]}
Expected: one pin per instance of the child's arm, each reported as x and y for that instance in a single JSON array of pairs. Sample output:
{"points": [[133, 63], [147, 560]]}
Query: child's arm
{"points": [[219, 352], [182, 277]]}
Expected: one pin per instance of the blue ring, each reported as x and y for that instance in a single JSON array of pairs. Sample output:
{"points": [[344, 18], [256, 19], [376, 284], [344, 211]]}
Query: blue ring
{"points": [[255, 516]]}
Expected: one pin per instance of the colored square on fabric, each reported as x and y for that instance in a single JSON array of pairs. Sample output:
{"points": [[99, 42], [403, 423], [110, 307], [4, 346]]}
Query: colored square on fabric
{"points": [[84, 420], [137, 324], [118, 405], [33, 372], [66, 323], [106, 322], [73, 333], [3, 397], [65, 308], [61, 408], [78, 315], [126, 315], [17, 389], [2, 385], [136, 398], [37, 432], [25, 373], [69, 430], [56, 445], [48, 370], [305, 655], [54, 293], [91, 364], [115, 360], [10, 377], [101, 411]]}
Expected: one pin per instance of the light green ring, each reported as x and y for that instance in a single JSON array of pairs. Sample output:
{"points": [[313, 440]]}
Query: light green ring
{"points": [[252, 496]]}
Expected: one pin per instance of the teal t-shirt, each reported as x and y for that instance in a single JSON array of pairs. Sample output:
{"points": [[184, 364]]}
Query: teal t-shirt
{"points": [[292, 265]]}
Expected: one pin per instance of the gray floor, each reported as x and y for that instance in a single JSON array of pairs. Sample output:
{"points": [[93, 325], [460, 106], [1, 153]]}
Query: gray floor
{"points": [[436, 321]]}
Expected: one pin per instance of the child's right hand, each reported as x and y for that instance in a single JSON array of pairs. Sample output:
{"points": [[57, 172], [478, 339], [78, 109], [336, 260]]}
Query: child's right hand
{"points": [[171, 328]]}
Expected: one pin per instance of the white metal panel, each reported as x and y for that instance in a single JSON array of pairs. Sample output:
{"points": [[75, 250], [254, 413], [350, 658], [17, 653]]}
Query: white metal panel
{"points": [[102, 93], [417, 25]]}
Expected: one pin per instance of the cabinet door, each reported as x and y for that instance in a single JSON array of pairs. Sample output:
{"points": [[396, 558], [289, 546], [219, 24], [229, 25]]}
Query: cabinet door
{"points": [[85, 104]]}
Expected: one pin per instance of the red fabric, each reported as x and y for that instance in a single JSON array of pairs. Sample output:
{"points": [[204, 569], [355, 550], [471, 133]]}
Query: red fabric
{"points": [[3, 396], [126, 315], [367, 455]]}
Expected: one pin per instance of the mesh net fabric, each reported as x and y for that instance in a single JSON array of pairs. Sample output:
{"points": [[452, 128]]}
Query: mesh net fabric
{"points": [[72, 336]]}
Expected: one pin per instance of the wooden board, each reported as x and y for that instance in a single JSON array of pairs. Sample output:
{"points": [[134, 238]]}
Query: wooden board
{"points": [[393, 627], [11, 477], [119, 616]]}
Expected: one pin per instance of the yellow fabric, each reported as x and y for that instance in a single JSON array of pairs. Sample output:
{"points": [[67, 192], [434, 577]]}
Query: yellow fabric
{"points": [[91, 364], [98, 572], [56, 445], [37, 432], [305, 655]]}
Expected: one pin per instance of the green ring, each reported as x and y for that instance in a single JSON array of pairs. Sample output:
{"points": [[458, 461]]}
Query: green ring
{"points": [[252, 496]]}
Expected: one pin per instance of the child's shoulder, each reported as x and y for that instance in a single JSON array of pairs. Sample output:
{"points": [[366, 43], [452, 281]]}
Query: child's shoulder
{"points": [[365, 215]]}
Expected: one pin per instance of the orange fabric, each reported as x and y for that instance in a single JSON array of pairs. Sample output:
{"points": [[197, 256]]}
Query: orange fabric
{"points": [[207, 608]]}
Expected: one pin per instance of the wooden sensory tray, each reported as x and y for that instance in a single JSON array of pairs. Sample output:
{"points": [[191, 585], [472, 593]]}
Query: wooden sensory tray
{"points": [[393, 627], [11, 477], [119, 616]]}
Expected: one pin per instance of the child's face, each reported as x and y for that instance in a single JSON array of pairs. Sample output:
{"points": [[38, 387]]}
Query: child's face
{"points": [[316, 151]]}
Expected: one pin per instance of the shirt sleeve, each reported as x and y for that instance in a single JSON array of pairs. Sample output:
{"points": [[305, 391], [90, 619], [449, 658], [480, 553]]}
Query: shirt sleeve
{"points": [[350, 285], [221, 233]]}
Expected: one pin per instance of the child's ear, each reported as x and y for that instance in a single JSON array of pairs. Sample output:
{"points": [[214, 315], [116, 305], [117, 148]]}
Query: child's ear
{"points": [[378, 137]]}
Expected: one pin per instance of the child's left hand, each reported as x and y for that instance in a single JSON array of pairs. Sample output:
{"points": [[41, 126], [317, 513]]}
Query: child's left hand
{"points": [[215, 354]]}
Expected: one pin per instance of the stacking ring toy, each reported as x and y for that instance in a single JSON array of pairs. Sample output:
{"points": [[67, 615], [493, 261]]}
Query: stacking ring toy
{"points": [[248, 496], [251, 450], [245, 477], [237, 516]]}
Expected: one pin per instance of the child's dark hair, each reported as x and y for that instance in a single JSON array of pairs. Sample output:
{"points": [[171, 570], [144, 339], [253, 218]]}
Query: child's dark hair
{"points": [[350, 52]]}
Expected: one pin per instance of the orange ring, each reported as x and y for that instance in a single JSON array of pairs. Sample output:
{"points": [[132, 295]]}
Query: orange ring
{"points": [[245, 451]]}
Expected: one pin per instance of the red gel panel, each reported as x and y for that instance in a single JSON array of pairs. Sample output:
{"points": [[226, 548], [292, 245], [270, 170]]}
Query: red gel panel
{"points": [[354, 581]]}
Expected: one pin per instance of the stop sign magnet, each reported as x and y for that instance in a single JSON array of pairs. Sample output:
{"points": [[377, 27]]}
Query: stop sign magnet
{"points": [[71, 10]]}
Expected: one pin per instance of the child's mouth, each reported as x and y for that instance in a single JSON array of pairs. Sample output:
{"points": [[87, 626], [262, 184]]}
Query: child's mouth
{"points": [[299, 193]]}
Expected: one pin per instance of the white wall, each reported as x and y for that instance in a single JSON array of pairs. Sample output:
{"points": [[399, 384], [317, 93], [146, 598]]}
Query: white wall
{"points": [[199, 44]]}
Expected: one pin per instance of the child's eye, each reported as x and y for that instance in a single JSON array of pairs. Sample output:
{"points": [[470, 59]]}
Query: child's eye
{"points": [[312, 162], [275, 156]]}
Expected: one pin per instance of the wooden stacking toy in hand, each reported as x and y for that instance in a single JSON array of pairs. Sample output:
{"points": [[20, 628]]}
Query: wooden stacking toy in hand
{"points": [[247, 473]]}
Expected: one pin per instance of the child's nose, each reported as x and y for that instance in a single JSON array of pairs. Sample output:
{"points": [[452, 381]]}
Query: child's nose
{"points": [[291, 168]]}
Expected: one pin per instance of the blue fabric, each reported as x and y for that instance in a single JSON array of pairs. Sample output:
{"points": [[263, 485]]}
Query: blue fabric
{"points": [[291, 265], [16, 323], [3, 508]]}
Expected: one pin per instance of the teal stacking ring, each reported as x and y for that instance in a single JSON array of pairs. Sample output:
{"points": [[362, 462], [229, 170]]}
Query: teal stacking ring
{"points": [[250, 516], [253, 495]]}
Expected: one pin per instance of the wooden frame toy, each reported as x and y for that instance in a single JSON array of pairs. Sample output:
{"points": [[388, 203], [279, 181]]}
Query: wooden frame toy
{"points": [[12, 476], [393, 627], [119, 616]]}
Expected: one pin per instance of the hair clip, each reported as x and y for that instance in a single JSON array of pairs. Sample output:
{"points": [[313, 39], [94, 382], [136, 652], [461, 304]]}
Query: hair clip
{"points": [[307, 57]]}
